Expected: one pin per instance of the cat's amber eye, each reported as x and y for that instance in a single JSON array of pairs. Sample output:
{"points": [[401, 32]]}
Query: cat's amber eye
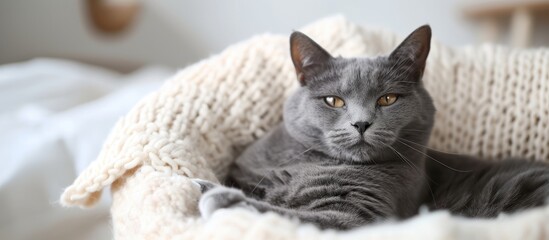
{"points": [[334, 101], [387, 99]]}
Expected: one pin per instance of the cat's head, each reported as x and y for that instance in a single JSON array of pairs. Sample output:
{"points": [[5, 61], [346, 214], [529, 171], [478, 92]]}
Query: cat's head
{"points": [[357, 108]]}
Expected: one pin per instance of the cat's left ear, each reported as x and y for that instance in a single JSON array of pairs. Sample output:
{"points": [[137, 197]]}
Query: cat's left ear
{"points": [[414, 49], [306, 54]]}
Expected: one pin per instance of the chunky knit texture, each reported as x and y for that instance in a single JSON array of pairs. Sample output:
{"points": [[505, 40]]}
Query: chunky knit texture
{"points": [[492, 102]]}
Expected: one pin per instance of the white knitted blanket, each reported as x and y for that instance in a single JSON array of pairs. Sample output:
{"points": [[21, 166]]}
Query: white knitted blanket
{"points": [[492, 102]]}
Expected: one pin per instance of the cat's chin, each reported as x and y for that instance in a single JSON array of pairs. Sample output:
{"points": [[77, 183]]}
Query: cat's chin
{"points": [[359, 153]]}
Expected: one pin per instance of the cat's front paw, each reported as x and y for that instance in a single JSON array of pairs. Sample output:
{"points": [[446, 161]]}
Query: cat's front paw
{"points": [[215, 196]]}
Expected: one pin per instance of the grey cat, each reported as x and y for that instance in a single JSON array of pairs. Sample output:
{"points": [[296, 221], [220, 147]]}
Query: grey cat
{"points": [[351, 149]]}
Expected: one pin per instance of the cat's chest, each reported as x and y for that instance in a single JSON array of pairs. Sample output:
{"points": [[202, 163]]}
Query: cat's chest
{"points": [[301, 173], [301, 184], [312, 168], [314, 173]]}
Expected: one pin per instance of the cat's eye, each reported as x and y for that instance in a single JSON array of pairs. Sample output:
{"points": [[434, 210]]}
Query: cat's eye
{"points": [[334, 101], [387, 99]]}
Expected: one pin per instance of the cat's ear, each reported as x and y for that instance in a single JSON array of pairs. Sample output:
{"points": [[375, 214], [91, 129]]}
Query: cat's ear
{"points": [[414, 49], [306, 54]]}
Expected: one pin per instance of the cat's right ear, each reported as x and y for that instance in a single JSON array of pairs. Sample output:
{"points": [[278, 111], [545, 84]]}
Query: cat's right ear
{"points": [[306, 54]]}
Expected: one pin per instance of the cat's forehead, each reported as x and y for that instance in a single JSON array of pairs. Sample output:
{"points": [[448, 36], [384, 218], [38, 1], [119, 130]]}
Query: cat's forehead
{"points": [[361, 70], [347, 75]]}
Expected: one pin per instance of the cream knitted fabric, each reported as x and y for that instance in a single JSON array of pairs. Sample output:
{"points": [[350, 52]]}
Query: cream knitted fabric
{"points": [[491, 101]]}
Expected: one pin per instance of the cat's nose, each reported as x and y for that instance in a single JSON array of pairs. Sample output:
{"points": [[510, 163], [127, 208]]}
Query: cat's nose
{"points": [[361, 126]]}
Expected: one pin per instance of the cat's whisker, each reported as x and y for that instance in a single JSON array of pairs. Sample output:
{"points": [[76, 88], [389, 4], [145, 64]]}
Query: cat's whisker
{"points": [[379, 134], [414, 130], [256, 185], [432, 158], [338, 135], [427, 147], [427, 179], [406, 160], [298, 155], [342, 141], [410, 82]]}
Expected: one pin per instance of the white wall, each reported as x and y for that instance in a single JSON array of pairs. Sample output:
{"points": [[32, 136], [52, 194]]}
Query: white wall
{"points": [[59, 28], [177, 32]]}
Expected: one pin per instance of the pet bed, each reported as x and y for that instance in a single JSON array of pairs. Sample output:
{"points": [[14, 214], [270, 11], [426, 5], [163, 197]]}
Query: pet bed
{"points": [[492, 101]]}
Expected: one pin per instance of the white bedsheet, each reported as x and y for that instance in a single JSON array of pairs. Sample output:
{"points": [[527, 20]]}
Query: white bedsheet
{"points": [[54, 116]]}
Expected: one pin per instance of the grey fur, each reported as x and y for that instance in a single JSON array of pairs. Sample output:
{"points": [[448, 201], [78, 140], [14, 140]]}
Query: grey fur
{"points": [[317, 167], [473, 187]]}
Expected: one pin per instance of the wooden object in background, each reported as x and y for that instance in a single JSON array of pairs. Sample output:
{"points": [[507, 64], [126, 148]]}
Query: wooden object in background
{"points": [[112, 16], [521, 12]]}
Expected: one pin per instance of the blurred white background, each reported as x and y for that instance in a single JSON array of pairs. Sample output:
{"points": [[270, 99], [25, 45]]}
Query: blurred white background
{"points": [[176, 33], [55, 111]]}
